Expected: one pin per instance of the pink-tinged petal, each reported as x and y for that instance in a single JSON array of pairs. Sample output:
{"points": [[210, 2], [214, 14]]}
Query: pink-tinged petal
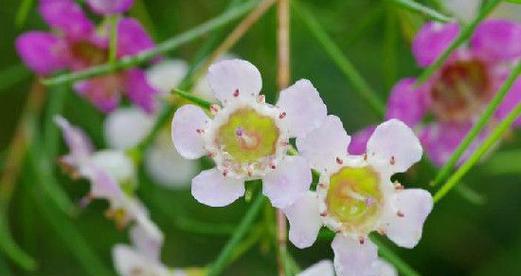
{"points": [[67, 16], [393, 146], [497, 39], [304, 220], [289, 181], [103, 185], [432, 40], [440, 140], [234, 78], [323, 145], [303, 106], [42, 52], [107, 7], [189, 120], [138, 90], [79, 144], [128, 260], [322, 268], [132, 38], [511, 100], [146, 242], [358, 145], [212, 188], [353, 258], [119, 135], [383, 268], [103, 91], [404, 218], [407, 103]]}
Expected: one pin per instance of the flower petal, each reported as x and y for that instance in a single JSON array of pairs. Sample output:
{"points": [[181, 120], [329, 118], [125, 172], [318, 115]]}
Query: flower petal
{"points": [[210, 187], [304, 108], [352, 257], [103, 185], [187, 120], [304, 220], [511, 100], [67, 16], [497, 39], [104, 92], [80, 146], [324, 144], [166, 75], [138, 90], [383, 268], [132, 38], [358, 145], [432, 40], [42, 52], [287, 182], [404, 218], [107, 7], [116, 163], [149, 244], [128, 260], [393, 146], [119, 135], [166, 167], [322, 268], [407, 103], [228, 76]]}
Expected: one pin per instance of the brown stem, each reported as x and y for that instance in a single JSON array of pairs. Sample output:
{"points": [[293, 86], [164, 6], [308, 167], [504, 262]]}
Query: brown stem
{"points": [[283, 79], [18, 146], [236, 34]]}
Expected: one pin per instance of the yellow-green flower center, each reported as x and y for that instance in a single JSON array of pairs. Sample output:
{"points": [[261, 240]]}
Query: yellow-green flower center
{"points": [[248, 136], [354, 198]]}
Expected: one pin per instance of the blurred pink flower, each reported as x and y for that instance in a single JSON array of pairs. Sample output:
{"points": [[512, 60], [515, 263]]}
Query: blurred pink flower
{"points": [[107, 7], [355, 195], [76, 44], [248, 138], [443, 109]]}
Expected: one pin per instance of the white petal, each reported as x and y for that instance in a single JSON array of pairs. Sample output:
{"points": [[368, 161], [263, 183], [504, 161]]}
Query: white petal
{"points": [[383, 268], [210, 187], [127, 261], [116, 163], [322, 268], [187, 120], [228, 76], [166, 75], [148, 243], [304, 108], [79, 144], [304, 220], [393, 146], [324, 144], [126, 127], [353, 258], [413, 206], [289, 181], [103, 185]]}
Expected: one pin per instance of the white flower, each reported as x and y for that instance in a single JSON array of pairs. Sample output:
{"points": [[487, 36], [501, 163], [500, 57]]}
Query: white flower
{"points": [[326, 268], [143, 257], [111, 173], [355, 195], [466, 10], [248, 138], [126, 127]]}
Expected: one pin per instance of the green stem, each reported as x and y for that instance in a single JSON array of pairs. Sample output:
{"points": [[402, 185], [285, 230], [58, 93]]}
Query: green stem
{"points": [[218, 266], [424, 10], [9, 246], [23, 11], [463, 36], [361, 87], [161, 48], [113, 42], [478, 127], [51, 133], [489, 142]]}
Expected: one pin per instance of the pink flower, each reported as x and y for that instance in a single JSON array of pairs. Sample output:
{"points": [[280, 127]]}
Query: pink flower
{"points": [[247, 138], [77, 45], [443, 109], [355, 195]]}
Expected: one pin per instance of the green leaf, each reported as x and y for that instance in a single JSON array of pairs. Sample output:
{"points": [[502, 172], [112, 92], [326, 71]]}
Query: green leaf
{"points": [[506, 162], [12, 75], [4, 268], [361, 86], [23, 12], [161, 48], [9, 246], [51, 132]]}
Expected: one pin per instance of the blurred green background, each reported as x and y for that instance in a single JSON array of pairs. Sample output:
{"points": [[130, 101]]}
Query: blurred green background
{"points": [[460, 237]]}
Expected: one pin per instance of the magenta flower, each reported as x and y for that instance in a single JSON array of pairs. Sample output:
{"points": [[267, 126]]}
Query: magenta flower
{"points": [[455, 96], [76, 44], [107, 7]]}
